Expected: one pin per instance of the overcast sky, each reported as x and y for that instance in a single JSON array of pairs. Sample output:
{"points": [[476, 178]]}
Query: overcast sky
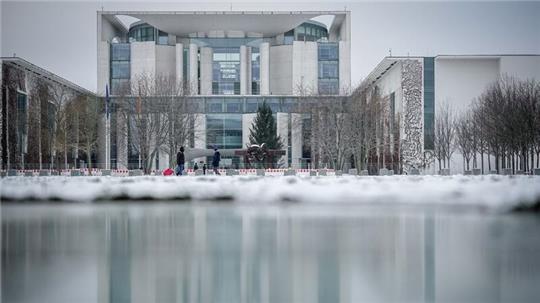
{"points": [[61, 36]]}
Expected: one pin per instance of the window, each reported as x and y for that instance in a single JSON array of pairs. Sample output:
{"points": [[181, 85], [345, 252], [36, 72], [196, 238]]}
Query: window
{"points": [[214, 105], [224, 130], [429, 102], [255, 70], [273, 103], [233, 106], [163, 38], [252, 105], [328, 69], [120, 51], [328, 51], [226, 71], [120, 68], [328, 86]]}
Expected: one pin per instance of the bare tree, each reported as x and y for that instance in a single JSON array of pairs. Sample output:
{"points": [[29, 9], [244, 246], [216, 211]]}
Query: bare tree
{"points": [[444, 137], [465, 139], [88, 117]]}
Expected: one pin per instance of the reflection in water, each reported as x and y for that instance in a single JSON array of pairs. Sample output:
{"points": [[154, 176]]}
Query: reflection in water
{"points": [[212, 253]]}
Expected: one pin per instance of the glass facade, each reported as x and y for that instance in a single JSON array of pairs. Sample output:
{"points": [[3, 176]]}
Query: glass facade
{"points": [[142, 32], [255, 71], [328, 54], [224, 131], [120, 68], [311, 32], [226, 71], [429, 102]]}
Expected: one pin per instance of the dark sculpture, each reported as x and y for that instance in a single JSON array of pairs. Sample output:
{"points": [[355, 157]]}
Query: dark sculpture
{"points": [[259, 155]]}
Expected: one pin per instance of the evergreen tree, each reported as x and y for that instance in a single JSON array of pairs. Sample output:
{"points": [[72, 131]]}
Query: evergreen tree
{"points": [[264, 129]]}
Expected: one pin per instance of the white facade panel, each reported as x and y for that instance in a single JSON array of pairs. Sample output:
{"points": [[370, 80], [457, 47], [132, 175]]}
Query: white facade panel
{"points": [[283, 132], [247, 123], [245, 64], [264, 51], [206, 70], [165, 61], [296, 140], [305, 66], [521, 67], [143, 61], [344, 67], [193, 68], [459, 81], [179, 64], [200, 134], [281, 70], [103, 70]]}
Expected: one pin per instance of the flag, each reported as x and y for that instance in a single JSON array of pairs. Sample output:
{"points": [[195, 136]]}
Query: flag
{"points": [[107, 100]]}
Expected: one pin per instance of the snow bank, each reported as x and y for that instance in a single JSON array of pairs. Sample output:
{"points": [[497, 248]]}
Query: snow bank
{"points": [[492, 192]]}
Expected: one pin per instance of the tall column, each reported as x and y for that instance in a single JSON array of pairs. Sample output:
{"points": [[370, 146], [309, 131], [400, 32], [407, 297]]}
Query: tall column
{"points": [[264, 49], [245, 70], [296, 139], [193, 69], [206, 70], [283, 132], [179, 69], [121, 142]]}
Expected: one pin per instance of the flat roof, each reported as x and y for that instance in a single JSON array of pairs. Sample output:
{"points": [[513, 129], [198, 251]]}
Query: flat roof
{"points": [[43, 73], [389, 61], [268, 23]]}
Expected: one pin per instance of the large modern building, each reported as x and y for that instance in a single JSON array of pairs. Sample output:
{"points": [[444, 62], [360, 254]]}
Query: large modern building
{"points": [[420, 87], [231, 62], [32, 105]]}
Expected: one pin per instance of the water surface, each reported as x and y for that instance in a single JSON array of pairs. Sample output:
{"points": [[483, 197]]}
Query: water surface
{"points": [[168, 252]]}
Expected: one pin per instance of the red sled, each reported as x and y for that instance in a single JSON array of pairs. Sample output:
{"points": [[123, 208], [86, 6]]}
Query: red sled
{"points": [[168, 172]]}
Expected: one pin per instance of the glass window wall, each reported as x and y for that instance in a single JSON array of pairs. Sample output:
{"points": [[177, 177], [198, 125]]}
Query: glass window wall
{"points": [[224, 131], [226, 71]]}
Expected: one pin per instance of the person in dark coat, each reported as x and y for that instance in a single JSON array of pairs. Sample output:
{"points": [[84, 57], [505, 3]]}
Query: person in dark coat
{"points": [[204, 169], [215, 161], [180, 159]]}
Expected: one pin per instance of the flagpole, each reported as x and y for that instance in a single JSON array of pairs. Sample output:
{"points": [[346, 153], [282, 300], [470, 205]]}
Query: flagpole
{"points": [[107, 130]]}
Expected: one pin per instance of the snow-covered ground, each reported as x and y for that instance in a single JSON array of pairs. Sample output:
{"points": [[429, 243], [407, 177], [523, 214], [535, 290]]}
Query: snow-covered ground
{"points": [[491, 192]]}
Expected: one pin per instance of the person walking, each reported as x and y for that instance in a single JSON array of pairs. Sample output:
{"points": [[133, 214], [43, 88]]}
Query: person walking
{"points": [[215, 161], [204, 169], [180, 159]]}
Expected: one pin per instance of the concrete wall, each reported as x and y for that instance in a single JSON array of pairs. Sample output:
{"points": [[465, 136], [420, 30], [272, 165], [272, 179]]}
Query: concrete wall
{"points": [[458, 82], [305, 67], [121, 142], [296, 140], [344, 67], [143, 61], [103, 68], [165, 60], [179, 64], [247, 122], [264, 50], [245, 66], [391, 83], [522, 67], [283, 132], [200, 134], [193, 69], [206, 70], [281, 77]]}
